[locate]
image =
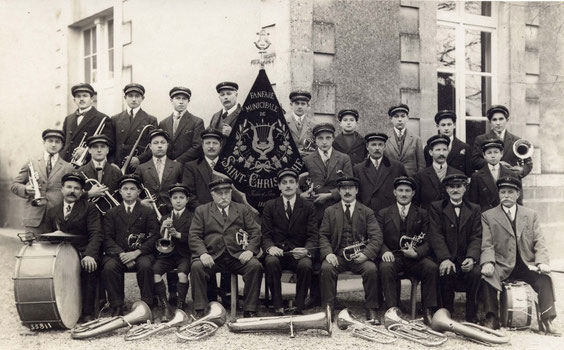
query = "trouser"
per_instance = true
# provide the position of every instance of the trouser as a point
(471, 282)
(89, 283)
(273, 266)
(423, 269)
(113, 271)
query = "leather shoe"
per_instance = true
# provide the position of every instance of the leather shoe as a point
(117, 311)
(372, 317)
(472, 319)
(491, 321)
(198, 314)
(549, 328)
(248, 314)
(279, 312)
(173, 299)
(87, 318)
(427, 316)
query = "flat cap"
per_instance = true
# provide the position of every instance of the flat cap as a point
(134, 87)
(179, 187)
(53, 133)
(497, 109)
(344, 112)
(159, 132)
(405, 180)
(445, 114)
(180, 90)
(509, 181)
(97, 139)
(454, 179)
(83, 87)
(327, 127)
(436, 139)
(134, 179)
(497, 143)
(399, 108)
(211, 132)
(226, 85)
(300, 95)
(220, 183)
(348, 181)
(375, 136)
(287, 172)
(73, 176)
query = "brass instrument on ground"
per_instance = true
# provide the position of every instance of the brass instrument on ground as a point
(482, 335)
(351, 252)
(367, 332)
(523, 149)
(407, 242)
(165, 244)
(38, 200)
(411, 330)
(149, 329)
(105, 203)
(319, 320)
(78, 160)
(206, 326)
(140, 312)
(134, 149)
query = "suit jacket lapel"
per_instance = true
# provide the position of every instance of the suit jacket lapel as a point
(137, 121)
(86, 119)
(449, 212)
(230, 119)
(293, 128)
(280, 208)
(339, 217)
(134, 215)
(205, 170)
(40, 167)
(305, 127)
(464, 215)
(181, 125)
(434, 179)
(394, 149)
(454, 149)
(216, 214)
(520, 222)
(407, 142)
(317, 159)
(331, 164)
(57, 167)
(153, 171)
(370, 173)
(396, 216)
(383, 172)
(297, 209)
(231, 216)
(74, 212)
(503, 220)
(488, 179)
(168, 166)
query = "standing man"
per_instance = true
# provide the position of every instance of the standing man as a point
(498, 116)
(290, 238)
(183, 127)
(349, 141)
(214, 247)
(227, 116)
(459, 153)
(300, 123)
(455, 233)
(399, 220)
(514, 248)
(346, 223)
(377, 174)
(49, 168)
(404, 146)
(129, 124)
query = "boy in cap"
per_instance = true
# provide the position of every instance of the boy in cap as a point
(349, 141)
(300, 123)
(227, 116)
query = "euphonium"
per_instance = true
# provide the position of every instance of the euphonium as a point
(523, 149)
(351, 252)
(361, 330)
(78, 160)
(205, 326)
(134, 149)
(107, 198)
(411, 330)
(140, 312)
(482, 335)
(165, 245)
(319, 320)
(38, 200)
(149, 329)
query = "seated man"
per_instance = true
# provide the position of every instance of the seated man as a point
(514, 248)
(213, 243)
(455, 234)
(402, 219)
(289, 237)
(345, 224)
(79, 217)
(131, 231)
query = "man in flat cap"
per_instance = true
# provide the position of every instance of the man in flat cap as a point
(406, 247)
(377, 174)
(455, 233)
(83, 122)
(76, 216)
(227, 116)
(498, 116)
(49, 168)
(514, 248)
(128, 126)
(300, 124)
(215, 247)
(403, 145)
(349, 140)
(183, 128)
(459, 153)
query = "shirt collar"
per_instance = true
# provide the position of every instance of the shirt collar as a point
(502, 136)
(53, 160)
(155, 160)
(101, 164)
(135, 110)
(437, 166)
(459, 203)
(178, 212)
(297, 117)
(82, 111)
(175, 113)
(292, 201)
(397, 131)
(376, 162)
(210, 160)
(65, 205)
(132, 206)
(231, 110)
(407, 206)
(226, 209)
(328, 152)
(513, 210)
(352, 204)
(493, 167)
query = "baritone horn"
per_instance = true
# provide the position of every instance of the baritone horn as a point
(38, 200)
(410, 330)
(140, 313)
(358, 329)
(482, 335)
(205, 326)
(523, 149)
(149, 329)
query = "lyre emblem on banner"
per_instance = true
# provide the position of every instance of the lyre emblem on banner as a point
(263, 141)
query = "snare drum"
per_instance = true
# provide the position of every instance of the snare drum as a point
(47, 286)
(518, 305)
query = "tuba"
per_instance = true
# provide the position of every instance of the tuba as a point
(410, 330)
(523, 149)
(140, 312)
(78, 160)
(205, 326)
(105, 203)
(351, 252)
(367, 332)
(319, 320)
(38, 200)
(482, 335)
(149, 329)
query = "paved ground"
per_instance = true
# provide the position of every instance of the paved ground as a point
(13, 335)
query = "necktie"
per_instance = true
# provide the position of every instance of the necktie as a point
(49, 165)
(224, 115)
(129, 209)
(499, 136)
(509, 215)
(131, 116)
(299, 123)
(212, 164)
(403, 213)
(348, 212)
(160, 169)
(288, 209)
(494, 173)
(176, 216)
(67, 212)
(325, 158)
(175, 123)
(223, 213)
(99, 171)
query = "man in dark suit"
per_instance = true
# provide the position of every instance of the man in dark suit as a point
(83, 122)
(498, 116)
(78, 217)
(344, 224)
(214, 246)
(289, 237)
(300, 123)
(129, 126)
(455, 233)
(405, 248)
(459, 153)
(377, 174)
(349, 141)
(131, 231)
(227, 116)
(429, 180)
(183, 127)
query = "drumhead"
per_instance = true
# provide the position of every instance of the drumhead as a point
(66, 281)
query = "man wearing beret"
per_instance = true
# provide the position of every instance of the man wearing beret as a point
(349, 141)
(128, 126)
(227, 116)
(289, 237)
(459, 153)
(183, 128)
(403, 145)
(77, 216)
(49, 168)
(83, 122)
(498, 116)
(429, 180)
(300, 123)
(377, 174)
(514, 248)
(215, 247)
(455, 233)
(345, 224)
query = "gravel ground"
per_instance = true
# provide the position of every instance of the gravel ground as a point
(14, 336)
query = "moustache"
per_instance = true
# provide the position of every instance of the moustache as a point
(348, 195)
(71, 195)
(442, 157)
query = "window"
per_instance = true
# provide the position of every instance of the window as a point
(111, 48)
(90, 56)
(98, 51)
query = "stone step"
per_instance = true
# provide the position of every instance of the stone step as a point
(545, 192)
(554, 239)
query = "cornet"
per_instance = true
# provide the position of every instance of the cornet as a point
(78, 160)
(38, 199)
(242, 239)
(105, 203)
(136, 240)
(407, 242)
(352, 251)
(165, 245)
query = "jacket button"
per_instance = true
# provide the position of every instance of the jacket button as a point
(122, 130)
(451, 225)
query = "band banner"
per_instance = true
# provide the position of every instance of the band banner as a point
(260, 144)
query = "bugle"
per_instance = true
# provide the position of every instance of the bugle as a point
(352, 251)
(149, 329)
(134, 149)
(78, 160)
(523, 149)
(410, 330)
(358, 329)
(104, 203)
(215, 317)
(38, 200)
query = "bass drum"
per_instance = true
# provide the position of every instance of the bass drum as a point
(518, 305)
(47, 286)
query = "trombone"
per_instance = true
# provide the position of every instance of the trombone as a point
(78, 160)
(38, 200)
(153, 203)
(367, 332)
(410, 330)
(134, 149)
(149, 329)
(107, 198)
(352, 251)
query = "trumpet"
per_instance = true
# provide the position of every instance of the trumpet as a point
(346, 321)
(136, 240)
(134, 149)
(78, 160)
(165, 245)
(105, 203)
(153, 203)
(205, 326)
(38, 200)
(407, 242)
(352, 251)
(410, 330)
(149, 329)
(242, 239)
(523, 149)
